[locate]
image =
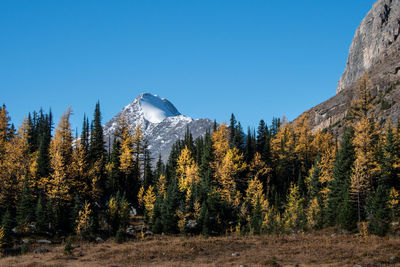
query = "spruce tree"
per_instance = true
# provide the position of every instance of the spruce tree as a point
(41, 216)
(7, 225)
(168, 211)
(339, 186)
(25, 211)
(232, 128)
(379, 212)
(96, 149)
(147, 171)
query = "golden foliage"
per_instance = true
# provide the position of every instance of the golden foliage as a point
(326, 175)
(141, 196)
(313, 214)
(162, 186)
(187, 172)
(149, 199)
(83, 221)
(58, 184)
(394, 198)
(255, 193)
(2, 237)
(303, 147)
(126, 157)
(363, 103)
(231, 164)
(294, 209)
(220, 142)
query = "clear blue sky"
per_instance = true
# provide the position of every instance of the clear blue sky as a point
(257, 59)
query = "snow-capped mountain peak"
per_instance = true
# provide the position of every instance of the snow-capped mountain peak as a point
(156, 109)
(162, 124)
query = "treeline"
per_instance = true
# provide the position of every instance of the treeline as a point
(52, 184)
(280, 178)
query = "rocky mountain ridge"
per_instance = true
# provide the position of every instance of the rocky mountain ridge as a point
(375, 50)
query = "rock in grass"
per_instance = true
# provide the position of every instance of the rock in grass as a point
(44, 241)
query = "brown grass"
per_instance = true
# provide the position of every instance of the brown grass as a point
(318, 249)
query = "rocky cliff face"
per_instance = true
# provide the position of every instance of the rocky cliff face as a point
(161, 122)
(376, 36)
(376, 50)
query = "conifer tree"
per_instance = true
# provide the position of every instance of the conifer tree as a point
(7, 225)
(187, 172)
(115, 181)
(365, 166)
(170, 205)
(58, 184)
(293, 218)
(40, 215)
(232, 128)
(96, 149)
(390, 161)
(340, 183)
(147, 169)
(380, 213)
(25, 211)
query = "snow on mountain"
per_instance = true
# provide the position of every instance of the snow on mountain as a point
(161, 122)
(156, 109)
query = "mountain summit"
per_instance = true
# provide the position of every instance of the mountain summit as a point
(161, 122)
(376, 36)
(154, 108)
(375, 50)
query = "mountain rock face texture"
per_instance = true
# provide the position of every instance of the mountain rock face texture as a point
(376, 51)
(160, 121)
(377, 35)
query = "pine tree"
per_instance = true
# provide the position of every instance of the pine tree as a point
(346, 214)
(25, 211)
(250, 148)
(170, 205)
(7, 224)
(40, 215)
(115, 181)
(380, 213)
(340, 183)
(232, 127)
(390, 161)
(96, 148)
(147, 170)
(97, 157)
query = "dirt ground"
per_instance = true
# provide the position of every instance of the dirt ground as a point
(317, 249)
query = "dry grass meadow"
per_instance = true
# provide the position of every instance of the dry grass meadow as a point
(317, 249)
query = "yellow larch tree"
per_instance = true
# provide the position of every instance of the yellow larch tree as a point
(58, 184)
(326, 175)
(227, 164)
(365, 166)
(187, 172)
(16, 165)
(149, 199)
(304, 138)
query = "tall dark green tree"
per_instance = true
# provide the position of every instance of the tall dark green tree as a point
(148, 178)
(232, 128)
(339, 186)
(379, 212)
(263, 142)
(96, 149)
(25, 210)
(250, 148)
